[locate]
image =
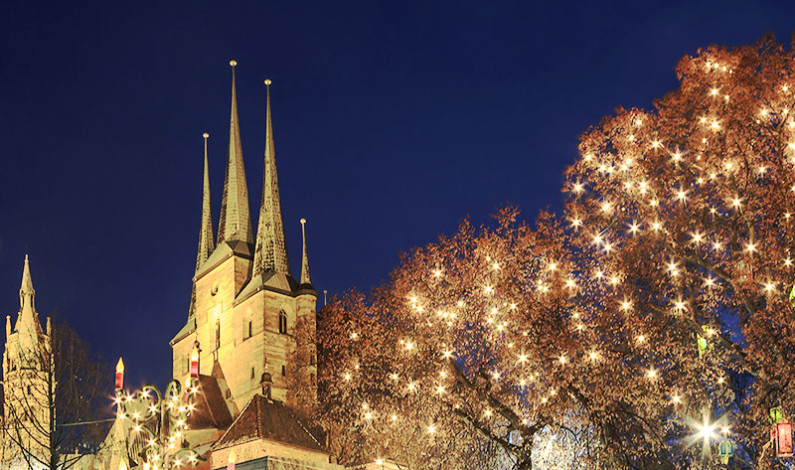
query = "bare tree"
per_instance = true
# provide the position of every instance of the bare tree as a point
(56, 393)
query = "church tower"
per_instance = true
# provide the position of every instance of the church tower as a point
(28, 381)
(251, 321)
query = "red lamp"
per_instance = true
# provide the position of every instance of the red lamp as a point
(119, 375)
(782, 439)
(194, 363)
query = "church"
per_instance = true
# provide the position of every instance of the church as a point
(247, 347)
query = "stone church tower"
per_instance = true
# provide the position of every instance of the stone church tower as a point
(251, 322)
(28, 381)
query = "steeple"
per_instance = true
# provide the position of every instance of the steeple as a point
(26, 292)
(235, 223)
(27, 323)
(206, 241)
(305, 278)
(271, 249)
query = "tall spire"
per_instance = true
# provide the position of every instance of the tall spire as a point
(26, 292)
(271, 250)
(305, 278)
(27, 323)
(206, 241)
(235, 223)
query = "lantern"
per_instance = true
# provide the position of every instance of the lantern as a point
(702, 343)
(119, 375)
(725, 450)
(194, 362)
(782, 439)
(776, 415)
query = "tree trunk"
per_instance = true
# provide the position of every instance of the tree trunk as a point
(524, 459)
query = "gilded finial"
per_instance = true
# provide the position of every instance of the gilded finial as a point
(268, 82)
(206, 135)
(303, 221)
(233, 63)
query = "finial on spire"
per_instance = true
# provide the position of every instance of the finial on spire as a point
(206, 135)
(305, 278)
(268, 82)
(233, 63)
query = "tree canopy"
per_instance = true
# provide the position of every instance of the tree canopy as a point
(659, 300)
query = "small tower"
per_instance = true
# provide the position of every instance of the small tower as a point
(29, 376)
(306, 348)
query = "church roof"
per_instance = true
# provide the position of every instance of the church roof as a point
(267, 419)
(211, 410)
(189, 328)
(272, 281)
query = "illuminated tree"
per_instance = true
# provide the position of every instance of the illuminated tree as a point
(657, 317)
(492, 339)
(690, 206)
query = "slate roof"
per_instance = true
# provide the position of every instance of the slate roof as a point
(267, 419)
(211, 410)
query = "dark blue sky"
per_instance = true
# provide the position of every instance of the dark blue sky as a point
(393, 120)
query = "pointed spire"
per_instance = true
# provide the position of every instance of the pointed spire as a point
(26, 292)
(235, 223)
(206, 241)
(27, 323)
(271, 249)
(305, 278)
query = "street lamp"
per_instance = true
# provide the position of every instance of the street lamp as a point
(160, 422)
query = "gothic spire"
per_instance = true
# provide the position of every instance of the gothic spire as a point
(271, 249)
(206, 241)
(26, 292)
(235, 223)
(305, 278)
(27, 323)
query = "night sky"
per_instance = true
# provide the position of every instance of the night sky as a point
(393, 120)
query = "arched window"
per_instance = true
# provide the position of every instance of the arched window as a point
(218, 334)
(282, 323)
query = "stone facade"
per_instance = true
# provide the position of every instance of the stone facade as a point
(245, 304)
(28, 384)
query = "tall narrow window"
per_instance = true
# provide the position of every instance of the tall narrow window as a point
(248, 329)
(218, 334)
(284, 371)
(282, 322)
